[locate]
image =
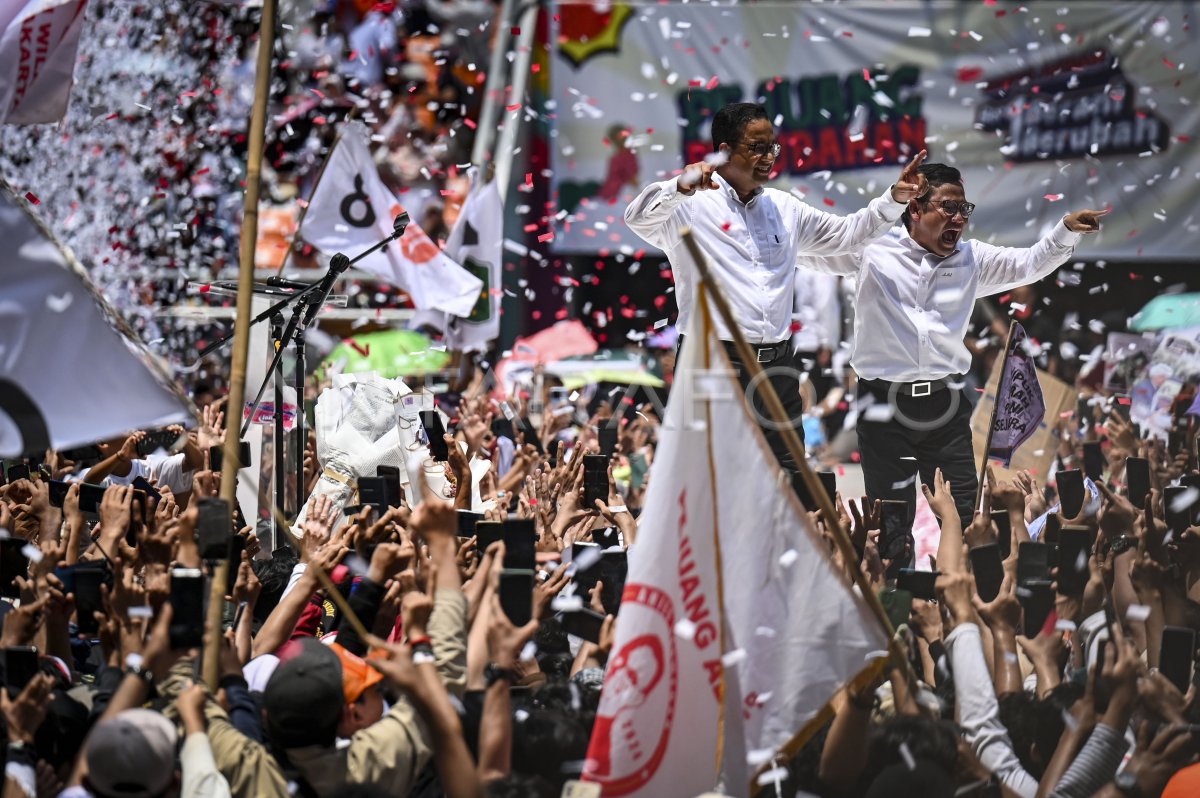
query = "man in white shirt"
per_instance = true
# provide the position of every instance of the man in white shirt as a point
(752, 237)
(817, 325)
(917, 286)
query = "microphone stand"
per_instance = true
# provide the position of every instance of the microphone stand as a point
(307, 304)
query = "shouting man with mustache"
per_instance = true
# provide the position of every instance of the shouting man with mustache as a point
(916, 289)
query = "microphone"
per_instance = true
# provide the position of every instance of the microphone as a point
(400, 224)
(337, 264)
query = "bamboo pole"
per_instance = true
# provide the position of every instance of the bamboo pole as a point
(987, 446)
(241, 327)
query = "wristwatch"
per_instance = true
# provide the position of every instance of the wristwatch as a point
(493, 674)
(139, 670)
(1123, 544)
(1126, 781)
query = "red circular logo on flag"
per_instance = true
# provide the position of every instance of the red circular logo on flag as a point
(637, 705)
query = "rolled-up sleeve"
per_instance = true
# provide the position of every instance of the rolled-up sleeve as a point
(658, 214)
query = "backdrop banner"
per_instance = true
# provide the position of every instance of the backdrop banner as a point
(1045, 108)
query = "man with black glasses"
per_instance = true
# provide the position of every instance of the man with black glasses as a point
(916, 288)
(753, 236)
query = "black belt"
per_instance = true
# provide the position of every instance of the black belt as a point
(764, 353)
(913, 389)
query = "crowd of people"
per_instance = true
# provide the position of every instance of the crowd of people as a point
(373, 653)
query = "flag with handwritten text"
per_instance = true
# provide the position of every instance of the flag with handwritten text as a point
(1020, 407)
(38, 42)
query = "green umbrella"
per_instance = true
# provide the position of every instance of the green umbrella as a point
(390, 353)
(1168, 311)
(614, 376)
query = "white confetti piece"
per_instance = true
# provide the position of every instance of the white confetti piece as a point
(529, 652)
(764, 631)
(1137, 613)
(772, 776)
(915, 32)
(732, 658)
(59, 303)
(788, 557)
(906, 755)
(685, 629)
(32, 553)
(141, 612)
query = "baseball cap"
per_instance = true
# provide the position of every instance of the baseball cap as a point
(132, 754)
(303, 698)
(357, 675)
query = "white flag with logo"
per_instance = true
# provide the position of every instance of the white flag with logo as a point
(38, 42)
(67, 378)
(351, 210)
(735, 628)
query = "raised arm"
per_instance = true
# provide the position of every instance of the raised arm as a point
(1004, 268)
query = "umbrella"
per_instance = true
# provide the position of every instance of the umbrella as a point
(614, 376)
(390, 353)
(1167, 312)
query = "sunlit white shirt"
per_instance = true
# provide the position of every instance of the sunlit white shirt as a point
(912, 307)
(752, 247)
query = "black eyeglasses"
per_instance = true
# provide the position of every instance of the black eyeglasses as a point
(762, 148)
(951, 207)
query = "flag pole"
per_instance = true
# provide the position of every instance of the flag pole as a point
(795, 446)
(987, 447)
(241, 327)
(320, 173)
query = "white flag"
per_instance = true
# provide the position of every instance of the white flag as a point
(351, 210)
(67, 378)
(709, 677)
(38, 41)
(477, 242)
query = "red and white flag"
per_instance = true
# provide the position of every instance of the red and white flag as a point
(735, 628)
(67, 378)
(38, 41)
(351, 210)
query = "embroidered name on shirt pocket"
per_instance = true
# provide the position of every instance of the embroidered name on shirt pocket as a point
(949, 284)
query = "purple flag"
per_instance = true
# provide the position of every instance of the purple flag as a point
(1020, 408)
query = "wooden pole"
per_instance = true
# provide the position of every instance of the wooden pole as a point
(241, 327)
(987, 446)
(796, 447)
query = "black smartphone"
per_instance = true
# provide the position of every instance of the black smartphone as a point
(1093, 460)
(373, 491)
(213, 528)
(584, 623)
(893, 537)
(829, 481)
(1074, 547)
(58, 492)
(187, 603)
(520, 543)
(153, 441)
(216, 456)
(487, 533)
(516, 595)
(614, 567)
(1179, 502)
(20, 666)
(607, 537)
(1051, 530)
(83, 455)
(919, 583)
(1037, 601)
(1070, 492)
(13, 563)
(87, 578)
(90, 497)
(1175, 655)
(1003, 531)
(17, 471)
(1033, 563)
(988, 568)
(608, 433)
(431, 421)
(143, 484)
(595, 480)
(1176, 440)
(1137, 478)
(392, 491)
(467, 521)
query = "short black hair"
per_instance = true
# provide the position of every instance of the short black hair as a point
(936, 174)
(730, 121)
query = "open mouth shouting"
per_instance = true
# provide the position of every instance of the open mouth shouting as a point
(950, 238)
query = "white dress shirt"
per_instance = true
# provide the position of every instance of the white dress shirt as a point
(912, 307)
(752, 247)
(817, 310)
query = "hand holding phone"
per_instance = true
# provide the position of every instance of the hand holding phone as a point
(1070, 492)
(435, 432)
(595, 480)
(1137, 478)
